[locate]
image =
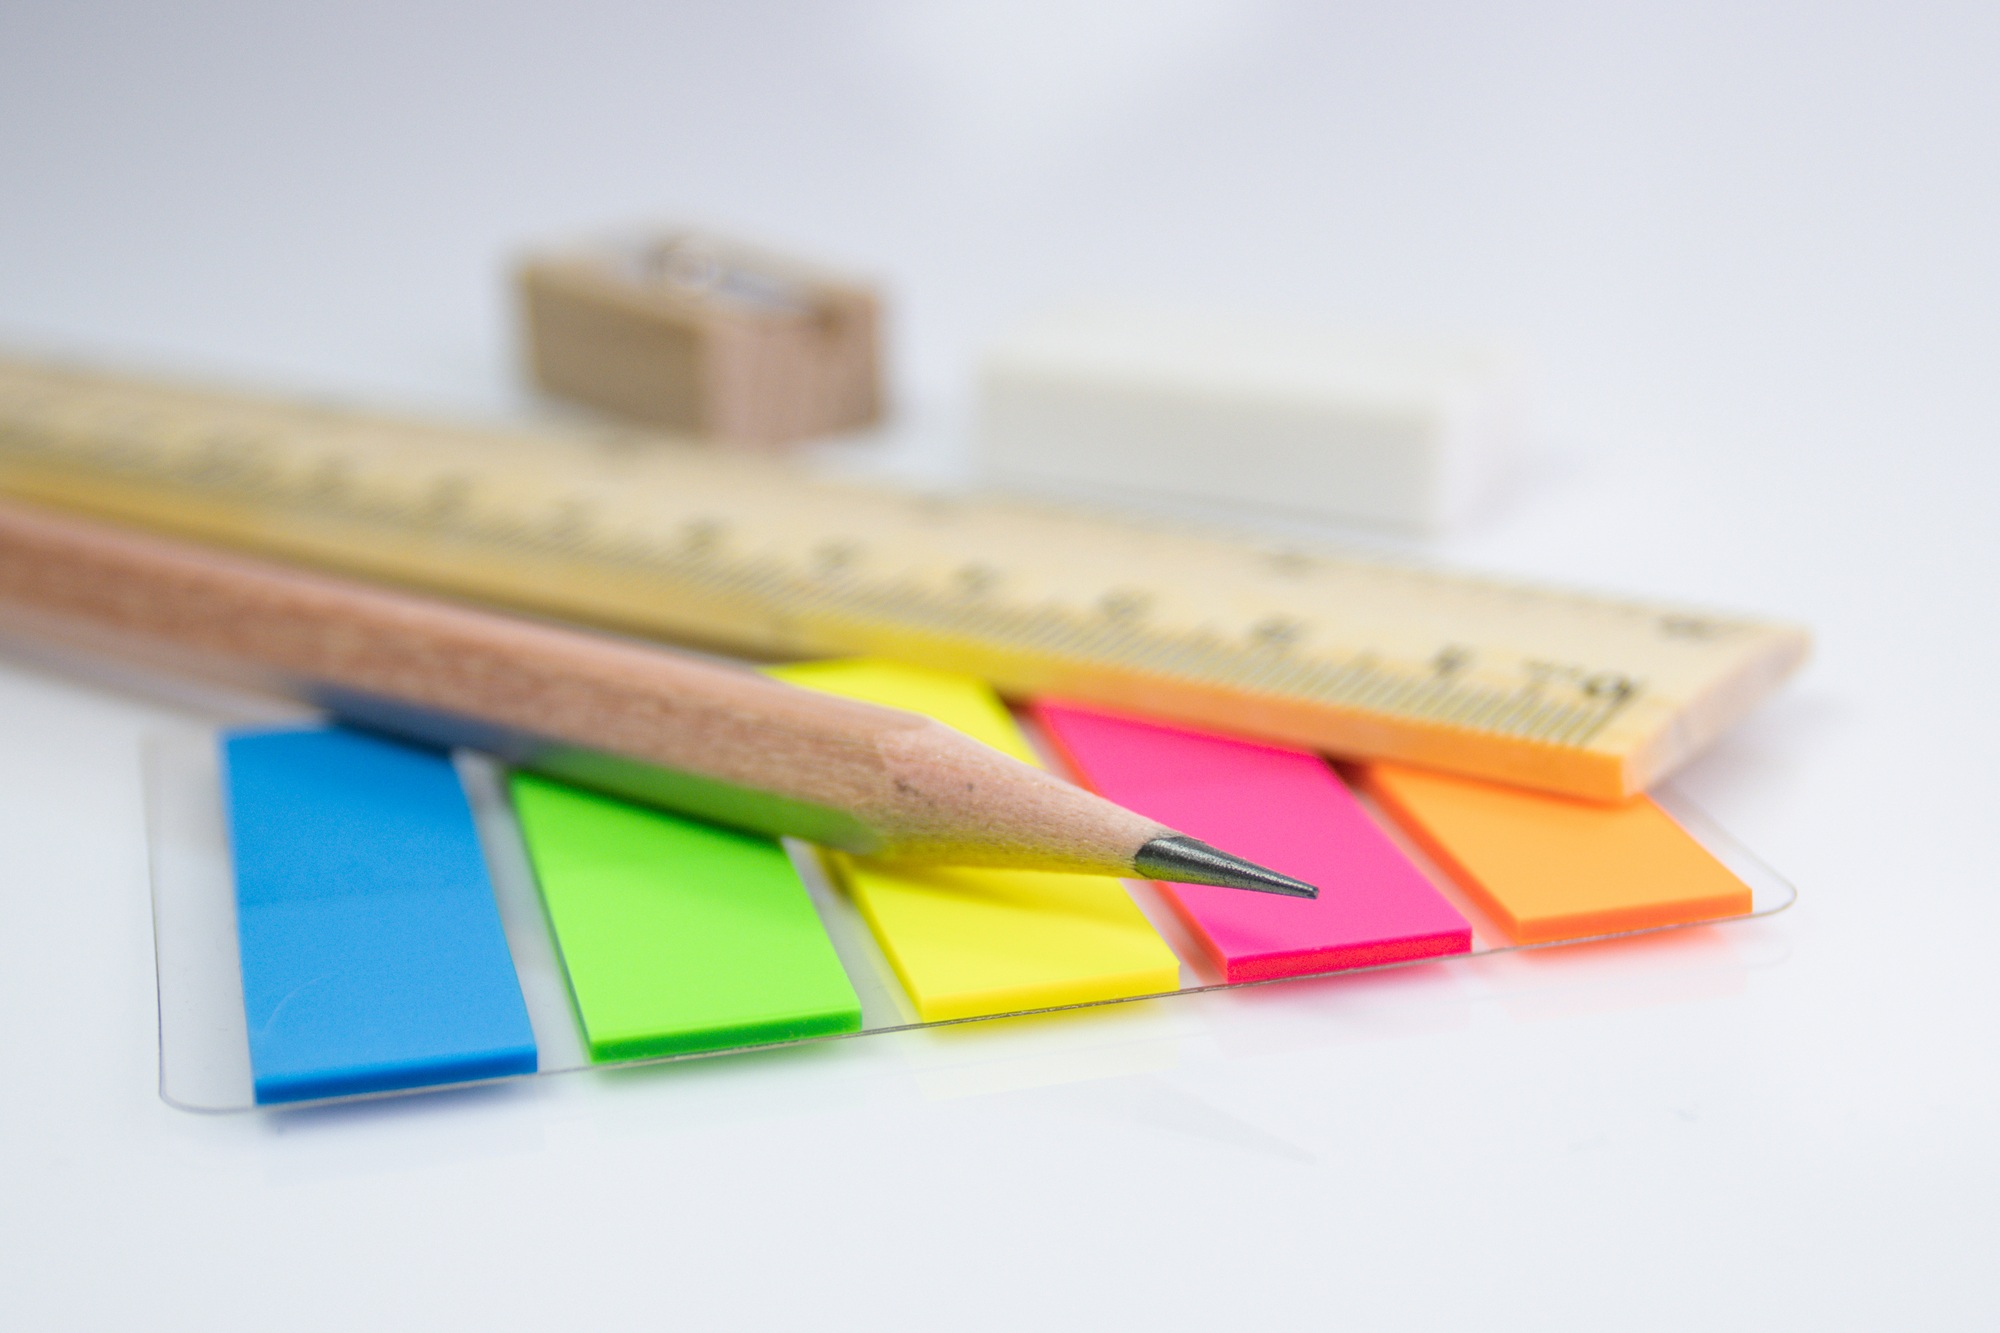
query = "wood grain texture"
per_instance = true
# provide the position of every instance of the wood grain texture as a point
(865, 778)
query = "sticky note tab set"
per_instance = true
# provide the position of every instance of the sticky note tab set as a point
(373, 957)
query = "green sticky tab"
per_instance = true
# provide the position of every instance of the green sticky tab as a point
(677, 936)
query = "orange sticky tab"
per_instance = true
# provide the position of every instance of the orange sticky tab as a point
(1549, 868)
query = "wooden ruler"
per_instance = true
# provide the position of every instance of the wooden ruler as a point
(1571, 692)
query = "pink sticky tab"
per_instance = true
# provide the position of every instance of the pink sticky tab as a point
(1285, 809)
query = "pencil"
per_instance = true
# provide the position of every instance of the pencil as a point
(721, 743)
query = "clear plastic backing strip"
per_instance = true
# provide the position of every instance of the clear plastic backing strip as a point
(204, 1049)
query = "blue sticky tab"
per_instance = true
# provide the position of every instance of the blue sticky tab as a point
(372, 951)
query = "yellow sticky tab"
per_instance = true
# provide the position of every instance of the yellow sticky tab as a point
(971, 942)
(963, 703)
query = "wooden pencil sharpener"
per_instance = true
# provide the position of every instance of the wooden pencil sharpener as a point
(705, 335)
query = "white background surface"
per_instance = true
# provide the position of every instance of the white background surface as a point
(1753, 246)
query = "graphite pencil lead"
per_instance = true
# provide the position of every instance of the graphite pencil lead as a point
(1184, 860)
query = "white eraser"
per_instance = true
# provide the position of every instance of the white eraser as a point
(1389, 432)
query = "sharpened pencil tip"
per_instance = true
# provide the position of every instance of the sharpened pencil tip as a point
(1185, 860)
